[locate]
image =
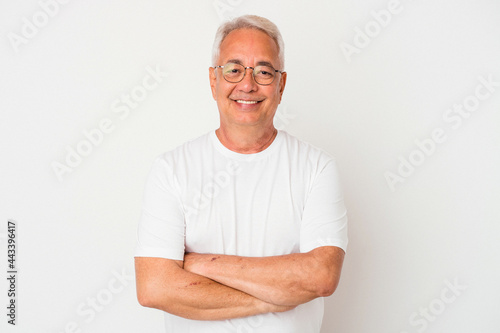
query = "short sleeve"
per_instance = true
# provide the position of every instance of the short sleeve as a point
(161, 230)
(324, 219)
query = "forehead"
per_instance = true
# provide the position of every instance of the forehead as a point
(249, 45)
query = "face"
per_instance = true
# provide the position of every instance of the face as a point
(247, 103)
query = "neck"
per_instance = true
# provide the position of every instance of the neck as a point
(248, 140)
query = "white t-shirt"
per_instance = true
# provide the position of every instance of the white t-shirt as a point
(202, 197)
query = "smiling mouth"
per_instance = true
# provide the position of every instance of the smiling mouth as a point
(246, 102)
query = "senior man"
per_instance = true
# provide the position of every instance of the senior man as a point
(243, 229)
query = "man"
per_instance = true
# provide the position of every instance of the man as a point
(244, 228)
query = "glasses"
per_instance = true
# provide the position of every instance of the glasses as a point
(262, 74)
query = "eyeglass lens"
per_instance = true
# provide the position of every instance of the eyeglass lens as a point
(235, 72)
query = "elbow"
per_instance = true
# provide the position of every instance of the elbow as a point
(149, 295)
(153, 286)
(304, 291)
(326, 283)
(326, 288)
(144, 302)
(145, 298)
(327, 270)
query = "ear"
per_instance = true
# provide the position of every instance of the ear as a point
(213, 81)
(282, 84)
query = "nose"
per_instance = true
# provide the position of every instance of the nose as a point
(248, 83)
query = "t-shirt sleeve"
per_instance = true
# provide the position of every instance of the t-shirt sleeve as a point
(324, 220)
(161, 228)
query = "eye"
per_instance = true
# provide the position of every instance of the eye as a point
(233, 70)
(264, 72)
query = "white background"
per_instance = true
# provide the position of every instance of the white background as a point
(439, 226)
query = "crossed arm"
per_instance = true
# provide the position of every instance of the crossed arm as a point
(218, 287)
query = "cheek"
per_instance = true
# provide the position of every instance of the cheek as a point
(274, 95)
(222, 90)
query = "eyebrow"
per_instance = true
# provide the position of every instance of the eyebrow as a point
(259, 63)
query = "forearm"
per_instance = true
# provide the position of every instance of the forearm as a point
(203, 299)
(285, 280)
(192, 296)
(277, 280)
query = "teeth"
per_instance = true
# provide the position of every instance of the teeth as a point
(246, 102)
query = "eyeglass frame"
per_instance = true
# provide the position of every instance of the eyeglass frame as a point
(253, 73)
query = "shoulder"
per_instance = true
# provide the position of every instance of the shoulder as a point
(185, 151)
(306, 151)
(181, 158)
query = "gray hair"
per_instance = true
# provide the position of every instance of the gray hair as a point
(249, 22)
